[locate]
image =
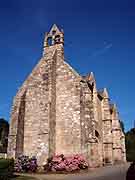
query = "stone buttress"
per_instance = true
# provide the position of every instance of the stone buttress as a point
(107, 129)
(118, 138)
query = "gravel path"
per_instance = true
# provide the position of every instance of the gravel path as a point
(117, 172)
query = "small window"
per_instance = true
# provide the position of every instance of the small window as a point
(96, 134)
(57, 39)
(49, 41)
(53, 32)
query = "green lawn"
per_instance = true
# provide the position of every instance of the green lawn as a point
(24, 178)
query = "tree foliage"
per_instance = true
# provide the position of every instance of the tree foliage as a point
(130, 145)
(122, 126)
(4, 130)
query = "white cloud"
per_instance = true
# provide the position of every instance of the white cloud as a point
(102, 50)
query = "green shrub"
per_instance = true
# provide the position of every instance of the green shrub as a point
(6, 168)
(130, 145)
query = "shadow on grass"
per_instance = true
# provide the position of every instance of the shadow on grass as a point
(17, 177)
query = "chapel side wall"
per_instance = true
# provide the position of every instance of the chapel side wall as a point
(67, 108)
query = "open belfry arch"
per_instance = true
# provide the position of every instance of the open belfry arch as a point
(58, 111)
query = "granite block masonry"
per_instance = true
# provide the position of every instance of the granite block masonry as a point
(58, 111)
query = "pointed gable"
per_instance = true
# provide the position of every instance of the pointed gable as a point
(54, 30)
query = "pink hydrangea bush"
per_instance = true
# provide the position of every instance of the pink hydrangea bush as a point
(66, 163)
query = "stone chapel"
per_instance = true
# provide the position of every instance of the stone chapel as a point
(58, 111)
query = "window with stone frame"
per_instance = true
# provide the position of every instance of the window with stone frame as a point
(57, 39)
(49, 41)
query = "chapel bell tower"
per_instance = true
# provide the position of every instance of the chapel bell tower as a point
(54, 38)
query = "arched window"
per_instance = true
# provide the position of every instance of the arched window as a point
(57, 39)
(49, 41)
(53, 32)
(97, 134)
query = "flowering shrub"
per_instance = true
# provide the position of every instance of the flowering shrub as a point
(26, 164)
(69, 164)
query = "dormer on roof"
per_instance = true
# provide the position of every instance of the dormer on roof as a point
(105, 93)
(90, 77)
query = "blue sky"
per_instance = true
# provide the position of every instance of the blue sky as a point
(99, 37)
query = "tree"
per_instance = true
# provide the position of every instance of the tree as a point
(122, 126)
(130, 145)
(4, 130)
